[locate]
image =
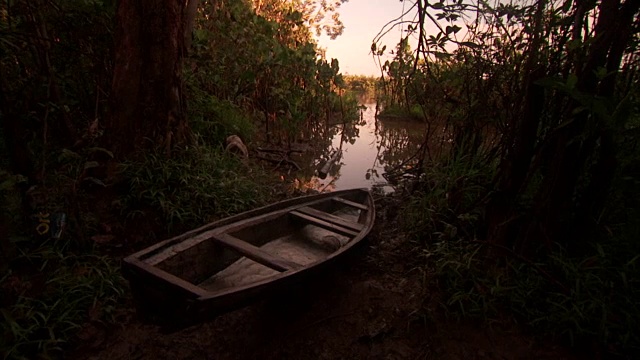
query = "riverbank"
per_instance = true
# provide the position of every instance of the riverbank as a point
(377, 304)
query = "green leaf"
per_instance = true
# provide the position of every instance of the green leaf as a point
(442, 55)
(574, 44)
(572, 80)
(95, 181)
(550, 82)
(100, 150)
(91, 165)
(67, 155)
(470, 44)
(452, 29)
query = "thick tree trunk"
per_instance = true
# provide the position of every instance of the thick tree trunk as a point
(147, 108)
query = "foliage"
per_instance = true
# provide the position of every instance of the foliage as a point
(55, 75)
(579, 300)
(55, 68)
(399, 73)
(365, 87)
(212, 119)
(394, 111)
(313, 12)
(53, 289)
(542, 98)
(192, 187)
(447, 201)
(275, 74)
(44, 311)
(588, 298)
(529, 83)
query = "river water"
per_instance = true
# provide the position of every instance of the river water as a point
(370, 148)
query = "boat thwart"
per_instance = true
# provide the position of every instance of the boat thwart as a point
(228, 263)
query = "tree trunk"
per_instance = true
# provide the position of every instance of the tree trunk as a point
(16, 137)
(189, 21)
(147, 108)
(563, 205)
(567, 210)
(515, 165)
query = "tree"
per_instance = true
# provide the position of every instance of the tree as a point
(54, 67)
(544, 76)
(314, 12)
(577, 159)
(147, 105)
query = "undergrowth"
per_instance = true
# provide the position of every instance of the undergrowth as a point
(192, 187)
(214, 119)
(414, 112)
(50, 294)
(53, 284)
(580, 300)
(588, 299)
(447, 199)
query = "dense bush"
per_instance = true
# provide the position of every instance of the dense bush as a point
(194, 186)
(541, 222)
(246, 69)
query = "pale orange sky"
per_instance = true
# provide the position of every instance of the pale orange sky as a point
(363, 19)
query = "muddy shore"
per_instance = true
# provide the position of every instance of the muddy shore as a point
(376, 304)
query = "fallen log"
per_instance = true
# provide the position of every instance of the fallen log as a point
(279, 151)
(280, 161)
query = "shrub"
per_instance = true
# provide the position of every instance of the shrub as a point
(45, 310)
(196, 184)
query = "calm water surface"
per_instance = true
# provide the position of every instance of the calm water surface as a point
(369, 149)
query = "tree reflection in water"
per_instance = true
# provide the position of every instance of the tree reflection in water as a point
(370, 149)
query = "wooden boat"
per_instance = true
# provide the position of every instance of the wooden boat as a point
(228, 263)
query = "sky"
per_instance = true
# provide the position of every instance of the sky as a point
(363, 20)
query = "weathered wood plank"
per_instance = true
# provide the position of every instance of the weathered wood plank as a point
(255, 253)
(325, 224)
(351, 203)
(331, 218)
(149, 274)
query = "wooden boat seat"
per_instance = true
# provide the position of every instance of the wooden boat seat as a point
(356, 226)
(351, 203)
(328, 221)
(256, 254)
(324, 224)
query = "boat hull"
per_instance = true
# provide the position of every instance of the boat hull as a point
(179, 281)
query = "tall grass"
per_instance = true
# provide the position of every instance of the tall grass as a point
(576, 299)
(49, 295)
(447, 199)
(588, 298)
(195, 185)
(214, 119)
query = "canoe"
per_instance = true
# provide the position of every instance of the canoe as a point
(229, 263)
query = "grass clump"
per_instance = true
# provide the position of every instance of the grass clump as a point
(587, 298)
(579, 299)
(50, 295)
(214, 119)
(402, 112)
(196, 184)
(447, 200)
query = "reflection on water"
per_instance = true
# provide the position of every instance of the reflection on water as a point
(369, 149)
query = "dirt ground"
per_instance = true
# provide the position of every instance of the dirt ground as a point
(373, 305)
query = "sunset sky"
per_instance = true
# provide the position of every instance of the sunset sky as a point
(363, 19)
